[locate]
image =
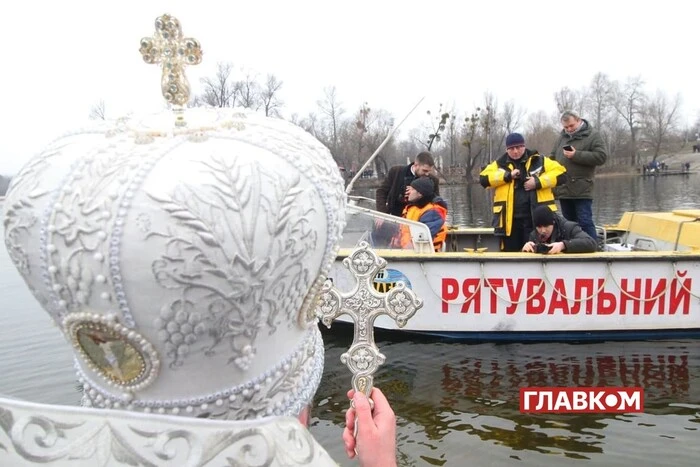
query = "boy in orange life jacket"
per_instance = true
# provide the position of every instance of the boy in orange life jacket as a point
(424, 206)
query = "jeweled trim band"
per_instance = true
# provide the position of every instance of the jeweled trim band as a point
(285, 389)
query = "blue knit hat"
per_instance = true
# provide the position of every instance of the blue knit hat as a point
(514, 139)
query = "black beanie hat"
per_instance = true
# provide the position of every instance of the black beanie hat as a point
(424, 186)
(542, 216)
(514, 139)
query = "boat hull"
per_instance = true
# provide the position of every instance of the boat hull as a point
(500, 296)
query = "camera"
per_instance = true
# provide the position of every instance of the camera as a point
(542, 248)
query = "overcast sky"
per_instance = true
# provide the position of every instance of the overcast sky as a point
(61, 57)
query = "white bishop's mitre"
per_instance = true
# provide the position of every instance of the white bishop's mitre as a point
(183, 263)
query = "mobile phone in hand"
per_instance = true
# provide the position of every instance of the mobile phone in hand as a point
(568, 147)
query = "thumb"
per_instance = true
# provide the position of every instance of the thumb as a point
(363, 410)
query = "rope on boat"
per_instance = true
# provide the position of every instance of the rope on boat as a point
(675, 273)
(476, 290)
(483, 278)
(640, 299)
(582, 299)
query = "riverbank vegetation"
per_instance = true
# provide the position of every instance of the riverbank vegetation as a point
(639, 126)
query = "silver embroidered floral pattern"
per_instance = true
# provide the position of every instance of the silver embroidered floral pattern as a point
(72, 437)
(20, 216)
(229, 291)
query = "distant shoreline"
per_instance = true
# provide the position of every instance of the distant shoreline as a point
(674, 163)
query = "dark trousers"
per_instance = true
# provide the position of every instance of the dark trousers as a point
(581, 212)
(519, 234)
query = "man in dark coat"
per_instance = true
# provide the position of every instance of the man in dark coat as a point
(579, 148)
(391, 195)
(553, 234)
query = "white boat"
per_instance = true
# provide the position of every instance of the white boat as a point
(646, 284)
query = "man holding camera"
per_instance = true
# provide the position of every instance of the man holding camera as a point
(580, 148)
(521, 180)
(553, 234)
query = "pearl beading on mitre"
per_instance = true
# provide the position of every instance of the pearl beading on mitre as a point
(295, 371)
(117, 229)
(58, 306)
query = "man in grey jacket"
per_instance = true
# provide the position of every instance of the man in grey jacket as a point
(580, 149)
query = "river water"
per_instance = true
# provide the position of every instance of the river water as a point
(457, 403)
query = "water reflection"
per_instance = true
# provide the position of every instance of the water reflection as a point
(446, 391)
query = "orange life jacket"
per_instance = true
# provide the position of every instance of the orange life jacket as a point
(414, 213)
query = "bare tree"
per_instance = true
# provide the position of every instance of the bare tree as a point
(269, 96)
(617, 139)
(541, 133)
(628, 102)
(98, 111)
(437, 127)
(220, 90)
(364, 135)
(452, 137)
(660, 119)
(568, 99)
(471, 142)
(249, 92)
(511, 116)
(599, 97)
(379, 124)
(313, 125)
(408, 148)
(332, 108)
(488, 121)
(361, 123)
(296, 119)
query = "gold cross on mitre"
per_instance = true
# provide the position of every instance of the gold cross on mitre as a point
(363, 304)
(174, 52)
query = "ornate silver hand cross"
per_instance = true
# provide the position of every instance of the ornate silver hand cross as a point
(168, 47)
(363, 304)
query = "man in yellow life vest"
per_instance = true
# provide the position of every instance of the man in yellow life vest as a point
(521, 180)
(426, 207)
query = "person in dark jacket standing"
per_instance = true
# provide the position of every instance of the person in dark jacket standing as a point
(391, 195)
(553, 234)
(580, 149)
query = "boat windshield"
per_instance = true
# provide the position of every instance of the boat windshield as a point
(382, 230)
